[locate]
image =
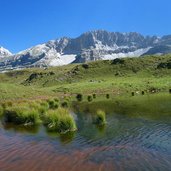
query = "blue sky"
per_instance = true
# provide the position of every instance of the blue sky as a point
(25, 23)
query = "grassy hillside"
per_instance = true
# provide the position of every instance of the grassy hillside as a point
(119, 76)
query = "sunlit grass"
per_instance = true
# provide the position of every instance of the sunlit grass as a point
(101, 77)
(22, 115)
(59, 120)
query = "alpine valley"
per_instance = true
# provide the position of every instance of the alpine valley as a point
(90, 46)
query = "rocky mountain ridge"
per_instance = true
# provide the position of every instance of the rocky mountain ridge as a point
(90, 46)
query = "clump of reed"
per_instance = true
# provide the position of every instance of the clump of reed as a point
(65, 104)
(34, 112)
(22, 114)
(44, 106)
(107, 96)
(99, 118)
(53, 104)
(60, 121)
(40, 106)
(79, 97)
(56, 99)
(90, 98)
(94, 96)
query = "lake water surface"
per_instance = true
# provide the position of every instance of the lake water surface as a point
(130, 141)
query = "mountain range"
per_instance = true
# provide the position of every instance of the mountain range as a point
(90, 46)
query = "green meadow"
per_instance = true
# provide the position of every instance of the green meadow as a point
(45, 95)
(120, 76)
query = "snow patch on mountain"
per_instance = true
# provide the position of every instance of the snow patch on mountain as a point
(35, 51)
(100, 46)
(63, 60)
(136, 53)
(55, 60)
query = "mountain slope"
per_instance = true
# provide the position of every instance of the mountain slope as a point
(4, 52)
(90, 46)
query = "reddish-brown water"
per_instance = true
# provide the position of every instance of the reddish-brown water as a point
(124, 144)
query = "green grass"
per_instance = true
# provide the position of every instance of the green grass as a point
(1, 111)
(22, 115)
(99, 77)
(65, 104)
(94, 96)
(100, 117)
(90, 98)
(40, 106)
(79, 97)
(35, 112)
(107, 96)
(53, 104)
(30, 94)
(60, 121)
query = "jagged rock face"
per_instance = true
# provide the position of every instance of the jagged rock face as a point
(108, 40)
(166, 40)
(90, 46)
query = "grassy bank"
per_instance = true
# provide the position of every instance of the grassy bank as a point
(119, 76)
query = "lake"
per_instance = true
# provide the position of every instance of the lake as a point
(137, 136)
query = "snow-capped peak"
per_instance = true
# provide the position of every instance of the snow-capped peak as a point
(89, 46)
(4, 52)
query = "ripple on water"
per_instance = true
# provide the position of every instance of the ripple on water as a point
(123, 144)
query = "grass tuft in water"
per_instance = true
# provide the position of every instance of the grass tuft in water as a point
(22, 115)
(79, 97)
(59, 121)
(90, 98)
(94, 96)
(100, 118)
(107, 96)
